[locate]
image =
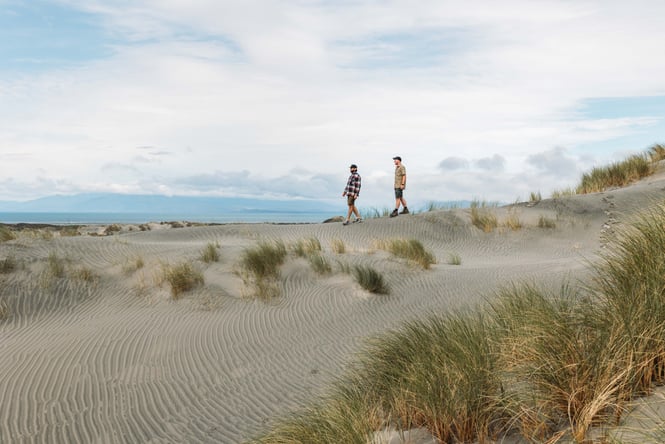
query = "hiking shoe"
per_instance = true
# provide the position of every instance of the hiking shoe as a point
(358, 220)
(405, 210)
(394, 213)
(346, 222)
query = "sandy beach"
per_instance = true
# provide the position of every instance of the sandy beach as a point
(104, 353)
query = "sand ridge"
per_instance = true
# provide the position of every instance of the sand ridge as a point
(116, 359)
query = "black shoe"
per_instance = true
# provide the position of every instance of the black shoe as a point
(394, 213)
(405, 210)
(346, 222)
(358, 220)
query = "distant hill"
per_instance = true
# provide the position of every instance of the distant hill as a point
(133, 203)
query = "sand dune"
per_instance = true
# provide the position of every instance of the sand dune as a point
(103, 353)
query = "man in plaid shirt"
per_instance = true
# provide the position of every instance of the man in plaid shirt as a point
(351, 192)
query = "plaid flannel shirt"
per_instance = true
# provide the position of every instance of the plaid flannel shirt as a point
(353, 185)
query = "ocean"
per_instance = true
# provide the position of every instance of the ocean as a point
(139, 218)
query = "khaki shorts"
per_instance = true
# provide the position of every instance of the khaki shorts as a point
(350, 200)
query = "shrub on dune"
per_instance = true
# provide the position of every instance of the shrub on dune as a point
(182, 278)
(210, 253)
(411, 249)
(6, 234)
(370, 279)
(483, 216)
(260, 268)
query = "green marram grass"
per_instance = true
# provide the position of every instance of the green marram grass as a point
(530, 362)
(483, 215)
(260, 268)
(306, 247)
(370, 279)
(410, 249)
(6, 234)
(210, 253)
(182, 277)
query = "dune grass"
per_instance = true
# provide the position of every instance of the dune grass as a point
(530, 362)
(483, 215)
(370, 279)
(133, 264)
(305, 247)
(410, 249)
(6, 234)
(622, 173)
(319, 263)
(260, 268)
(546, 222)
(454, 259)
(210, 253)
(8, 264)
(182, 277)
(338, 246)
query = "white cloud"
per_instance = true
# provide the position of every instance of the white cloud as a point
(264, 88)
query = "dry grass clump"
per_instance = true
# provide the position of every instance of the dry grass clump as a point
(4, 310)
(6, 234)
(411, 249)
(260, 268)
(454, 259)
(84, 274)
(535, 197)
(111, 229)
(546, 222)
(210, 253)
(55, 265)
(483, 216)
(8, 264)
(133, 264)
(305, 247)
(513, 220)
(370, 279)
(530, 362)
(338, 246)
(182, 277)
(617, 174)
(319, 263)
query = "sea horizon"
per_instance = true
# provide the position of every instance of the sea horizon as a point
(100, 218)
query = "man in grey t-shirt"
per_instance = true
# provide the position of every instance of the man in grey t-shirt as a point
(400, 185)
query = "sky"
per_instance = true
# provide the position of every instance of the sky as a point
(482, 99)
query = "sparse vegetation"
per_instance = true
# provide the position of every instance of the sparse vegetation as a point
(84, 274)
(133, 264)
(513, 220)
(210, 253)
(305, 247)
(530, 362)
(6, 234)
(4, 310)
(454, 259)
(483, 216)
(338, 246)
(535, 197)
(260, 268)
(55, 266)
(546, 222)
(7, 265)
(370, 279)
(182, 277)
(319, 263)
(411, 249)
(566, 192)
(111, 229)
(373, 213)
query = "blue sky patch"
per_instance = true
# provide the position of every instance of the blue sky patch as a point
(37, 35)
(620, 107)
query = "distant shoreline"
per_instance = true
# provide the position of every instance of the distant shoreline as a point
(97, 218)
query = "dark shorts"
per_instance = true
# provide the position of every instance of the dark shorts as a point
(350, 200)
(399, 193)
